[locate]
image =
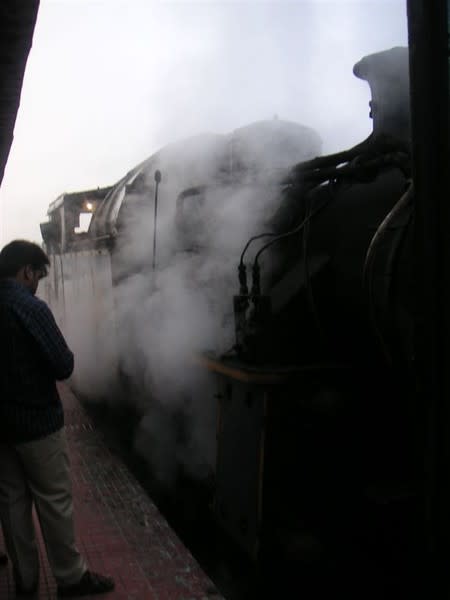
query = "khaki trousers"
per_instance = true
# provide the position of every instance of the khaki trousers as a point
(38, 472)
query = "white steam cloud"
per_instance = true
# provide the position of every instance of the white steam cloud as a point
(149, 326)
(180, 68)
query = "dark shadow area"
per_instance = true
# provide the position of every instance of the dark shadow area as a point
(339, 522)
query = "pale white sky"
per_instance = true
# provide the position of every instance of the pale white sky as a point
(108, 82)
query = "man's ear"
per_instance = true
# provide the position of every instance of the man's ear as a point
(28, 272)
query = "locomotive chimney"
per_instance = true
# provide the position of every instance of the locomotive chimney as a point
(387, 74)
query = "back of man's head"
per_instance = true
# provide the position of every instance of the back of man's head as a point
(21, 253)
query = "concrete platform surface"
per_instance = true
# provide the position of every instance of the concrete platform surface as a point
(119, 529)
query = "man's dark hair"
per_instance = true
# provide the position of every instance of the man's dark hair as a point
(18, 254)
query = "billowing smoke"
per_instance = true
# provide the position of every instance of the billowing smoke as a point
(144, 334)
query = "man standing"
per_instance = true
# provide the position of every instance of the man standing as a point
(34, 464)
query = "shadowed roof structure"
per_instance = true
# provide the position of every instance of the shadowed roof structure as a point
(17, 22)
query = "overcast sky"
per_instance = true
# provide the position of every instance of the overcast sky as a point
(109, 82)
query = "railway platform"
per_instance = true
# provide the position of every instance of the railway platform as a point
(119, 529)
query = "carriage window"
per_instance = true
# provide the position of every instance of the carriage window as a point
(84, 222)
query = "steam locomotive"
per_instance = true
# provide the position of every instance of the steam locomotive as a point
(318, 385)
(306, 368)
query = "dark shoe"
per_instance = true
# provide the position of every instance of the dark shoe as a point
(23, 592)
(3, 559)
(91, 583)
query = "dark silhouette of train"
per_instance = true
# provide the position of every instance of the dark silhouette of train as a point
(266, 322)
(338, 245)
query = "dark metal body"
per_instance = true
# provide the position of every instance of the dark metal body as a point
(321, 294)
(397, 320)
(314, 477)
(339, 282)
(429, 51)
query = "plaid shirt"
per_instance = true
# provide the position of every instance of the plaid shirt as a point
(33, 355)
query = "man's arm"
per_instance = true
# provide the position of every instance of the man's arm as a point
(42, 326)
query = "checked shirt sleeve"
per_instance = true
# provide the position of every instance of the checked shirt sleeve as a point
(43, 328)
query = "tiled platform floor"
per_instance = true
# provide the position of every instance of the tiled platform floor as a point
(119, 530)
